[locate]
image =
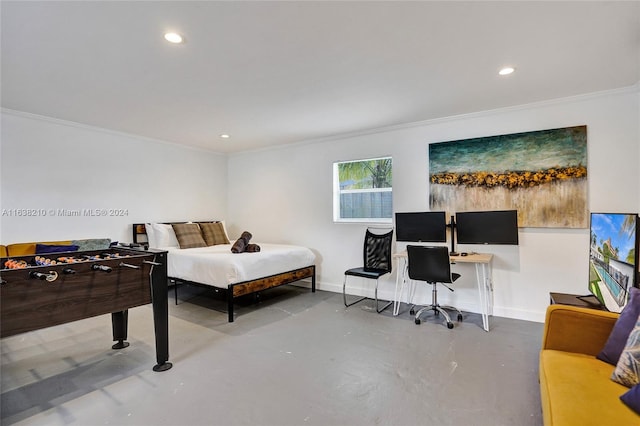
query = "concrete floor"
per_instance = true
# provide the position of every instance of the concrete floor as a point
(297, 358)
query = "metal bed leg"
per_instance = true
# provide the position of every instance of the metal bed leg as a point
(230, 303)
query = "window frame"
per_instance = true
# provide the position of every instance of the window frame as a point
(337, 192)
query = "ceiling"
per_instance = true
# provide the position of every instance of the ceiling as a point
(270, 73)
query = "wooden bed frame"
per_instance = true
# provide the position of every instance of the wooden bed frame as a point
(242, 288)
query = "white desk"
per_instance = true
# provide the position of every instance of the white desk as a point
(482, 262)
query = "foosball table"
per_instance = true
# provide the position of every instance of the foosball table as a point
(51, 289)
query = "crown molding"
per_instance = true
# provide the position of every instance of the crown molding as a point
(77, 125)
(478, 114)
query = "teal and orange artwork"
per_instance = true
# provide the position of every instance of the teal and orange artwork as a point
(542, 174)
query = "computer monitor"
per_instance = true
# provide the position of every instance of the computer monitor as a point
(487, 227)
(421, 227)
(613, 257)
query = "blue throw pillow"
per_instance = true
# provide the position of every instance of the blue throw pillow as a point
(621, 330)
(51, 248)
(632, 398)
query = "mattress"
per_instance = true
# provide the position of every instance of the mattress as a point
(217, 266)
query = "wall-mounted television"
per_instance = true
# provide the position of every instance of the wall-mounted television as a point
(613, 257)
(421, 227)
(487, 227)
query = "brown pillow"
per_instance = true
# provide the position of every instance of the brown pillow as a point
(213, 233)
(188, 235)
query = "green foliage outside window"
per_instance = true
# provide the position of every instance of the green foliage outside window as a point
(365, 174)
(363, 190)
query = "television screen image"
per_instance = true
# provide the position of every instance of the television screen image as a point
(487, 227)
(613, 258)
(421, 227)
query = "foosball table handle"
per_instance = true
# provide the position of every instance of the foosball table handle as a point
(126, 265)
(102, 268)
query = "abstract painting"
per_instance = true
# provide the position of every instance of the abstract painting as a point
(542, 174)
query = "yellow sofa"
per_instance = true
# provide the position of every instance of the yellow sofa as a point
(575, 387)
(26, 249)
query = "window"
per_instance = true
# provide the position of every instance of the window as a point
(362, 191)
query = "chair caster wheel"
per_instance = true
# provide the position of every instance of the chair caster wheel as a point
(412, 312)
(418, 321)
(459, 317)
(449, 325)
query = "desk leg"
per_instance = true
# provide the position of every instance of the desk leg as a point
(485, 292)
(489, 283)
(400, 283)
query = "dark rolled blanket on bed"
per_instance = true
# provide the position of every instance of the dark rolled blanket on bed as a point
(252, 248)
(242, 244)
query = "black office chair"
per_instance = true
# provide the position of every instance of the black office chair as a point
(433, 265)
(377, 262)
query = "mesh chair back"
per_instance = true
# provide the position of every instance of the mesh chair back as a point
(377, 251)
(430, 264)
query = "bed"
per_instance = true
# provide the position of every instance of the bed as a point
(235, 274)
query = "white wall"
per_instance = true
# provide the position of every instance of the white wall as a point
(50, 165)
(285, 195)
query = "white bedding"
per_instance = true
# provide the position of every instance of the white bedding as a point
(218, 267)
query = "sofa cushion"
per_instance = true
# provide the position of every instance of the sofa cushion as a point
(632, 398)
(92, 244)
(55, 248)
(28, 249)
(623, 326)
(576, 389)
(627, 371)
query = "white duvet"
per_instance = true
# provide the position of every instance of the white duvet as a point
(218, 267)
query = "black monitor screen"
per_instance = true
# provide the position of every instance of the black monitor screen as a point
(489, 227)
(421, 227)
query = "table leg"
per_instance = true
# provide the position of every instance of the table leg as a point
(489, 284)
(160, 301)
(400, 284)
(485, 292)
(119, 325)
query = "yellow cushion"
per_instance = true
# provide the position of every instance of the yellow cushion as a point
(576, 389)
(3, 251)
(27, 249)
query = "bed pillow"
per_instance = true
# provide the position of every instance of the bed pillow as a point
(52, 248)
(213, 233)
(627, 371)
(161, 235)
(151, 235)
(189, 235)
(621, 329)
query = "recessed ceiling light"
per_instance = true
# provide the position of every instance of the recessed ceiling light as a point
(173, 38)
(224, 136)
(506, 71)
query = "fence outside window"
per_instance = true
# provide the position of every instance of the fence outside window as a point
(363, 191)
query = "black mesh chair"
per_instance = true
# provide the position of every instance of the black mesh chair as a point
(377, 262)
(433, 265)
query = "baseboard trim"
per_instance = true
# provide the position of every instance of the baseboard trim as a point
(386, 294)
